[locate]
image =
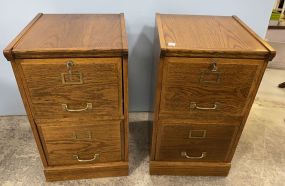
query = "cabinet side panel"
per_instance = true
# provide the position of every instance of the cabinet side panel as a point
(126, 110)
(249, 105)
(157, 80)
(19, 78)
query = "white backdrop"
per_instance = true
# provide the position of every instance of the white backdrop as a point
(140, 17)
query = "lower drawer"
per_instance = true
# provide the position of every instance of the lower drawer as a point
(193, 142)
(76, 143)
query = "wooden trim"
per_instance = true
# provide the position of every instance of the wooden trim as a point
(231, 146)
(20, 82)
(159, 131)
(189, 168)
(41, 136)
(46, 121)
(66, 53)
(217, 54)
(8, 50)
(160, 32)
(126, 103)
(121, 88)
(272, 51)
(118, 53)
(124, 35)
(57, 173)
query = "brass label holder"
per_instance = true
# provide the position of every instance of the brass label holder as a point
(71, 77)
(213, 71)
(202, 133)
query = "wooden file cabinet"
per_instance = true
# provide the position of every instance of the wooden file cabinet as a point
(208, 70)
(72, 74)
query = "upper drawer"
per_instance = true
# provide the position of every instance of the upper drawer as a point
(60, 88)
(213, 87)
(77, 142)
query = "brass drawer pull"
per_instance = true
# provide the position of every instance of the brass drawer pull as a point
(193, 105)
(88, 107)
(201, 132)
(96, 156)
(185, 155)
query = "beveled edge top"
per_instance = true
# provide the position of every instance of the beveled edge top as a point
(268, 54)
(11, 55)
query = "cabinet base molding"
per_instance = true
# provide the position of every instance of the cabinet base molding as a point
(189, 168)
(58, 173)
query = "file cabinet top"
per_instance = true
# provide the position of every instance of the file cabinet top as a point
(72, 35)
(211, 36)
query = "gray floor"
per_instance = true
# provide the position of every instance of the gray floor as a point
(259, 159)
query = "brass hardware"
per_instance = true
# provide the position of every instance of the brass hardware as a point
(71, 78)
(203, 132)
(69, 65)
(193, 105)
(185, 155)
(88, 107)
(204, 74)
(96, 156)
(214, 67)
(213, 71)
(89, 136)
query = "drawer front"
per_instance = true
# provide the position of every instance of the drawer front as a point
(70, 143)
(61, 88)
(197, 87)
(188, 142)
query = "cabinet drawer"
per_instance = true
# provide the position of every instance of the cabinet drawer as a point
(193, 142)
(202, 87)
(61, 88)
(70, 143)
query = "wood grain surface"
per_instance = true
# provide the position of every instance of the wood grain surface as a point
(80, 31)
(222, 36)
(189, 168)
(83, 139)
(85, 171)
(175, 139)
(102, 86)
(244, 120)
(271, 50)
(71, 35)
(187, 80)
